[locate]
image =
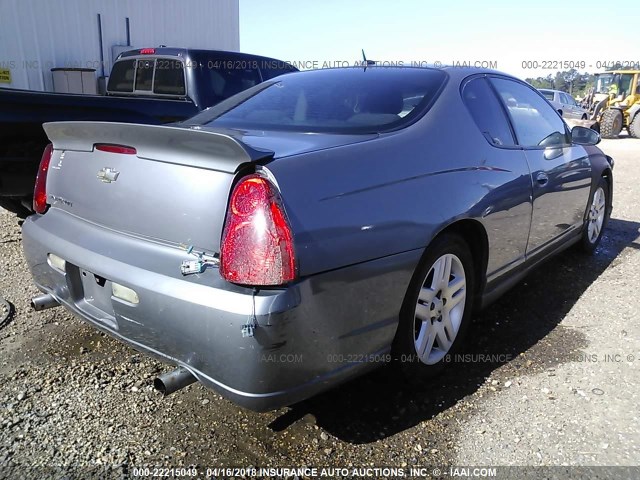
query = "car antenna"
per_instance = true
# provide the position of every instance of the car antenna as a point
(366, 62)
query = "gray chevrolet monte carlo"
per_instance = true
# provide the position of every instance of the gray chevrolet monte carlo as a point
(314, 226)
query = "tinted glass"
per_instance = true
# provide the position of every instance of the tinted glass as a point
(274, 68)
(547, 94)
(563, 99)
(235, 80)
(144, 75)
(487, 112)
(332, 100)
(536, 123)
(571, 100)
(169, 78)
(121, 78)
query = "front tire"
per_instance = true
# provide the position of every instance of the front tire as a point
(597, 217)
(437, 308)
(611, 123)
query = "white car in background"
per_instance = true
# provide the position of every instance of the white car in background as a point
(564, 103)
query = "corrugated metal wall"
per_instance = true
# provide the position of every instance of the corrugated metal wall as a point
(37, 35)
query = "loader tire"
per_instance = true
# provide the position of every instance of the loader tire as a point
(611, 123)
(634, 126)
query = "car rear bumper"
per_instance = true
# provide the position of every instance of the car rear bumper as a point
(309, 336)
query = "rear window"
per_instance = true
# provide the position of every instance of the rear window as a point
(274, 68)
(349, 100)
(160, 76)
(121, 78)
(169, 77)
(144, 74)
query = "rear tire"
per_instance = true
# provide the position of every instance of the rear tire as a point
(634, 126)
(611, 123)
(436, 312)
(597, 217)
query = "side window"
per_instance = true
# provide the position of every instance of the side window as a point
(238, 79)
(625, 85)
(563, 99)
(121, 78)
(487, 112)
(571, 100)
(535, 122)
(144, 75)
(548, 94)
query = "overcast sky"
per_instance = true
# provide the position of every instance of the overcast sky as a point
(504, 32)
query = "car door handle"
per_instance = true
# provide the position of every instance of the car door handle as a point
(542, 179)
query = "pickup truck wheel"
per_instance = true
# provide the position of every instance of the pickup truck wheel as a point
(634, 126)
(597, 217)
(611, 123)
(437, 309)
(15, 206)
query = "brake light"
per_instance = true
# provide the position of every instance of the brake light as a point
(147, 51)
(40, 190)
(257, 242)
(105, 147)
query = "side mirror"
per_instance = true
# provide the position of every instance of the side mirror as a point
(584, 136)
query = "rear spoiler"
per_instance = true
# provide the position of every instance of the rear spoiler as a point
(192, 146)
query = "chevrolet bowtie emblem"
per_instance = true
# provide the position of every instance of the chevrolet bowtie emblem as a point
(108, 175)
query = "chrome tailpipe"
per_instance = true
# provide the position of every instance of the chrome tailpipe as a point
(42, 302)
(169, 382)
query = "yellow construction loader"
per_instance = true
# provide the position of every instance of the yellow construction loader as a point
(614, 103)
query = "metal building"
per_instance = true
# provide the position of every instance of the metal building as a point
(37, 36)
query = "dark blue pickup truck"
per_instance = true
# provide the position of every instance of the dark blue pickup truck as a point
(149, 86)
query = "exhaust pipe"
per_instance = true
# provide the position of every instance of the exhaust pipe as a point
(169, 382)
(42, 302)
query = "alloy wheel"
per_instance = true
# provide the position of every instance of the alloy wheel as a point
(596, 215)
(440, 308)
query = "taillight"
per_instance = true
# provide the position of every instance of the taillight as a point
(147, 51)
(257, 242)
(40, 190)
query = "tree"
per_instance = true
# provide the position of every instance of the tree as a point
(571, 81)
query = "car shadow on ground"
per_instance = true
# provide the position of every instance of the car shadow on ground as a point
(520, 331)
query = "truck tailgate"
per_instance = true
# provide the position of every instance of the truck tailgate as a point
(173, 189)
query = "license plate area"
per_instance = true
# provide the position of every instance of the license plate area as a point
(92, 294)
(97, 291)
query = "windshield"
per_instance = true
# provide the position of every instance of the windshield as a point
(350, 100)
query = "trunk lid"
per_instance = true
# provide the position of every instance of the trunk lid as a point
(174, 190)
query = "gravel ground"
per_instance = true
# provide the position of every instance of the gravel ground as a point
(537, 388)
